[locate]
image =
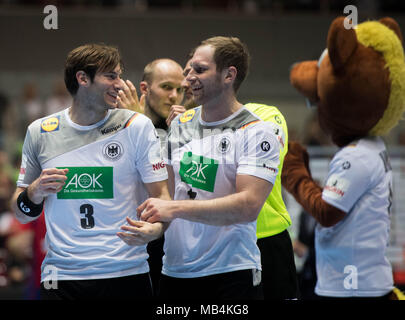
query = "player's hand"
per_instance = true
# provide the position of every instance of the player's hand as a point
(154, 209)
(50, 181)
(174, 111)
(128, 98)
(140, 232)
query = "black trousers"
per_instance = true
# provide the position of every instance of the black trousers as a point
(131, 287)
(237, 285)
(155, 251)
(279, 275)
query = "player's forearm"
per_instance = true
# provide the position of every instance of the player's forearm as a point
(235, 208)
(21, 217)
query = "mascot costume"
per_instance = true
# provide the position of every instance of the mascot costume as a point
(358, 86)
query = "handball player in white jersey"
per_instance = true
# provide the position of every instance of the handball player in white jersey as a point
(222, 163)
(88, 168)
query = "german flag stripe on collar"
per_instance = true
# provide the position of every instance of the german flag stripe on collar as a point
(130, 120)
(248, 124)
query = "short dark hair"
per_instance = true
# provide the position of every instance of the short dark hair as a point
(229, 51)
(89, 58)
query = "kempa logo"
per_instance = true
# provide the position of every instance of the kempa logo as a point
(111, 129)
(88, 183)
(265, 146)
(24, 208)
(198, 171)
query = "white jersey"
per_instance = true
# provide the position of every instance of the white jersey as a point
(206, 158)
(350, 256)
(108, 163)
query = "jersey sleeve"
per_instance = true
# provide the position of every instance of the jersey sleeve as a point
(348, 179)
(30, 168)
(149, 161)
(258, 152)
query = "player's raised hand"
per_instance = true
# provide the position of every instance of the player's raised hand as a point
(174, 111)
(128, 98)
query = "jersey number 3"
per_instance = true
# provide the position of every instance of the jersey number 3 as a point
(88, 221)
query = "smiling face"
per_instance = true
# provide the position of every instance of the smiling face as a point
(103, 90)
(188, 93)
(203, 78)
(164, 89)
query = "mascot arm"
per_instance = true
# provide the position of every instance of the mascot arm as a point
(296, 178)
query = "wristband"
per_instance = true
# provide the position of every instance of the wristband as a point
(28, 207)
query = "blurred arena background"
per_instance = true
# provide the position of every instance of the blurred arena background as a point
(277, 32)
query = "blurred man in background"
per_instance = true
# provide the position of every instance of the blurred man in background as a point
(160, 88)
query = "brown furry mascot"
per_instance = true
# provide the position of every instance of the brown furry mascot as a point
(358, 85)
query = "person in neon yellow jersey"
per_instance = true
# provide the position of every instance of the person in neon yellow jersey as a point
(279, 272)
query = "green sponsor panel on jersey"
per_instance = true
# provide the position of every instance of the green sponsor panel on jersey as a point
(198, 171)
(88, 183)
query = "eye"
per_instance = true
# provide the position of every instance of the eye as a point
(167, 87)
(186, 72)
(112, 76)
(199, 70)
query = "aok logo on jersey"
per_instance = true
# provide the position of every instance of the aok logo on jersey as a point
(198, 171)
(88, 183)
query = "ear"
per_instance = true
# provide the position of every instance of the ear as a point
(144, 87)
(230, 74)
(342, 43)
(303, 77)
(82, 78)
(393, 25)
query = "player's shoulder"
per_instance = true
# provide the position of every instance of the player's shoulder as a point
(362, 147)
(48, 123)
(266, 113)
(129, 118)
(187, 117)
(367, 154)
(250, 120)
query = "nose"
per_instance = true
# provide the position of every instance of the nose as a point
(184, 84)
(190, 77)
(189, 80)
(173, 94)
(118, 84)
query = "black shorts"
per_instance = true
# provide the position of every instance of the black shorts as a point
(130, 287)
(237, 285)
(279, 275)
(155, 251)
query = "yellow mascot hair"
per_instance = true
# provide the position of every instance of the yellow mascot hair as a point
(382, 39)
